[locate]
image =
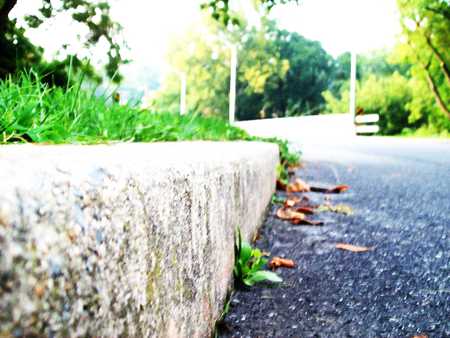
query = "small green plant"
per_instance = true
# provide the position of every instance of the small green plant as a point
(249, 262)
(282, 173)
(288, 157)
(277, 200)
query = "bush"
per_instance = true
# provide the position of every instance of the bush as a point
(388, 96)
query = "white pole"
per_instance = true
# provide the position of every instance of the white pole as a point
(353, 87)
(233, 79)
(183, 93)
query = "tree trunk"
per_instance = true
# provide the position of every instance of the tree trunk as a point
(435, 91)
(431, 83)
(442, 62)
(4, 12)
(7, 57)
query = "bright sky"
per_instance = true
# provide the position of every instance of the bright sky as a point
(149, 24)
(338, 24)
(341, 25)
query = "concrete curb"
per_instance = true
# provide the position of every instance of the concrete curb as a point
(125, 240)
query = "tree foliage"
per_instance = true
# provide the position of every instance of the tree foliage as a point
(426, 27)
(279, 73)
(18, 53)
(417, 96)
(295, 87)
(201, 55)
(222, 12)
(403, 100)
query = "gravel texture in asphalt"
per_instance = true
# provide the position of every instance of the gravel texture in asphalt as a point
(400, 196)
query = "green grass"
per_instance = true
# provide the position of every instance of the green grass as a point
(31, 111)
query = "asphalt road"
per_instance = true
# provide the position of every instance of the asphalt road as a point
(400, 194)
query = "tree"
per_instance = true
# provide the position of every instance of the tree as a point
(261, 68)
(426, 27)
(279, 73)
(221, 10)
(310, 73)
(296, 87)
(387, 95)
(203, 54)
(18, 53)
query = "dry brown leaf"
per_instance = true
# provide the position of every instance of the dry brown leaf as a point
(293, 168)
(306, 221)
(256, 236)
(353, 248)
(278, 262)
(289, 214)
(336, 190)
(305, 210)
(298, 186)
(39, 290)
(293, 201)
(281, 185)
(289, 203)
(72, 235)
(297, 199)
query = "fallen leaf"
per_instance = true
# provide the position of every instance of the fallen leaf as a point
(72, 235)
(353, 248)
(278, 262)
(289, 214)
(298, 186)
(306, 221)
(289, 203)
(305, 210)
(293, 168)
(336, 190)
(338, 208)
(302, 201)
(39, 290)
(319, 189)
(256, 236)
(281, 185)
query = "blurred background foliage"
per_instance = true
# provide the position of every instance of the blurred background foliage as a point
(280, 73)
(18, 53)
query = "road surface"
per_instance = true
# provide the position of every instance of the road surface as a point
(400, 194)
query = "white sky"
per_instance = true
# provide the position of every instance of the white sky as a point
(149, 24)
(338, 24)
(341, 25)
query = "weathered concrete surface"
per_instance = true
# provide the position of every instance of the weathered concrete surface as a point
(124, 240)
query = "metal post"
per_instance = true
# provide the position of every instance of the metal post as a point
(353, 87)
(183, 89)
(233, 79)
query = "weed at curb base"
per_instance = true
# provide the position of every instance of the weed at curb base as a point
(249, 263)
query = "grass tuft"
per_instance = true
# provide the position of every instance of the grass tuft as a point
(32, 111)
